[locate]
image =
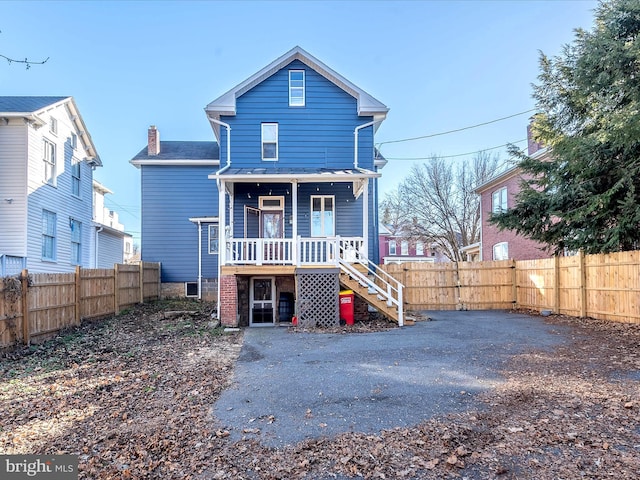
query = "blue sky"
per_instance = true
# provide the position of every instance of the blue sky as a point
(438, 65)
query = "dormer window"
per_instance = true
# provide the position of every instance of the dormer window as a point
(296, 88)
(270, 142)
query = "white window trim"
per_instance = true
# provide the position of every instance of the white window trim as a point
(303, 88)
(279, 207)
(333, 217)
(393, 247)
(50, 164)
(419, 249)
(78, 261)
(262, 142)
(404, 247)
(53, 125)
(74, 141)
(75, 163)
(499, 200)
(501, 245)
(53, 236)
(217, 238)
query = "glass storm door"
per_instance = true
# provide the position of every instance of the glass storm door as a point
(262, 300)
(272, 227)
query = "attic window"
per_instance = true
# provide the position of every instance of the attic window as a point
(53, 125)
(296, 88)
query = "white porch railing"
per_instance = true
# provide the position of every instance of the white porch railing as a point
(284, 251)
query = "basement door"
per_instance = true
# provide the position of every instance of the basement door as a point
(262, 302)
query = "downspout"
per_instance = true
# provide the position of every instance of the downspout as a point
(199, 260)
(97, 238)
(228, 127)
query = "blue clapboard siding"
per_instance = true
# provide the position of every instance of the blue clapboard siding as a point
(170, 196)
(319, 134)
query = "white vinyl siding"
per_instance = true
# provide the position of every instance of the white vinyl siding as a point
(499, 201)
(213, 239)
(296, 88)
(501, 251)
(48, 235)
(322, 216)
(76, 241)
(270, 142)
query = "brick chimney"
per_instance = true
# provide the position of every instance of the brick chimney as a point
(532, 145)
(153, 146)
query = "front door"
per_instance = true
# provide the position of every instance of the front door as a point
(262, 301)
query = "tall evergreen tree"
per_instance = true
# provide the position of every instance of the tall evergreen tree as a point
(587, 195)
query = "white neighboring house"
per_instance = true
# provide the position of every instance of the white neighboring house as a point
(113, 245)
(47, 160)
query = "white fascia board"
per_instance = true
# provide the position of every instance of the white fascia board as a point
(204, 219)
(288, 178)
(83, 133)
(191, 163)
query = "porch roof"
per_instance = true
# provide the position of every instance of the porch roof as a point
(289, 174)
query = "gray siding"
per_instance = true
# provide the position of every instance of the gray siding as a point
(170, 196)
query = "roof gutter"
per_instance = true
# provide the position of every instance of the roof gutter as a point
(228, 127)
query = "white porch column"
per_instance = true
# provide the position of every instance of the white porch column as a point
(365, 218)
(294, 215)
(222, 225)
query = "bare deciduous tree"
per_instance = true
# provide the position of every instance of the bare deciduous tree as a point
(437, 204)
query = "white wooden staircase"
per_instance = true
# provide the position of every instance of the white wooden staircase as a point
(373, 285)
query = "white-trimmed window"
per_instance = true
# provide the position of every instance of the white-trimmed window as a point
(48, 235)
(76, 241)
(270, 142)
(75, 177)
(296, 88)
(404, 247)
(49, 162)
(213, 239)
(499, 200)
(323, 216)
(419, 248)
(501, 251)
(53, 125)
(392, 247)
(74, 141)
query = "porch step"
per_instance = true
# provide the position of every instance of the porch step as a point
(371, 297)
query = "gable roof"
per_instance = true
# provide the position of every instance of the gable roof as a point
(31, 107)
(226, 103)
(180, 153)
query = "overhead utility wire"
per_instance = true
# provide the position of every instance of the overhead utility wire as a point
(457, 155)
(457, 129)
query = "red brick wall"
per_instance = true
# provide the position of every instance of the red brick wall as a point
(520, 248)
(228, 300)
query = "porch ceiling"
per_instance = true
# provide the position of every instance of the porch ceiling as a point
(288, 175)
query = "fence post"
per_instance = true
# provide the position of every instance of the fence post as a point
(116, 290)
(556, 283)
(583, 286)
(141, 272)
(514, 283)
(78, 293)
(26, 327)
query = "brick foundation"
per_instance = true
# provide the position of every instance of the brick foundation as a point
(360, 310)
(228, 301)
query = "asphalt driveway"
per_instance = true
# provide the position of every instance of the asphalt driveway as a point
(292, 386)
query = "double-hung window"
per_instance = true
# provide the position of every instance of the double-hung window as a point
(419, 249)
(213, 239)
(48, 235)
(49, 162)
(392, 247)
(499, 200)
(75, 177)
(270, 142)
(501, 251)
(76, 241)
(404, 248)
(322, 216)
(296, 88)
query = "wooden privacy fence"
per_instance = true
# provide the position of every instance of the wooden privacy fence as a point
(36, 306)
(605, 286)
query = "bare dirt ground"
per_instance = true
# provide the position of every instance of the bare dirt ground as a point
(132, 395)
